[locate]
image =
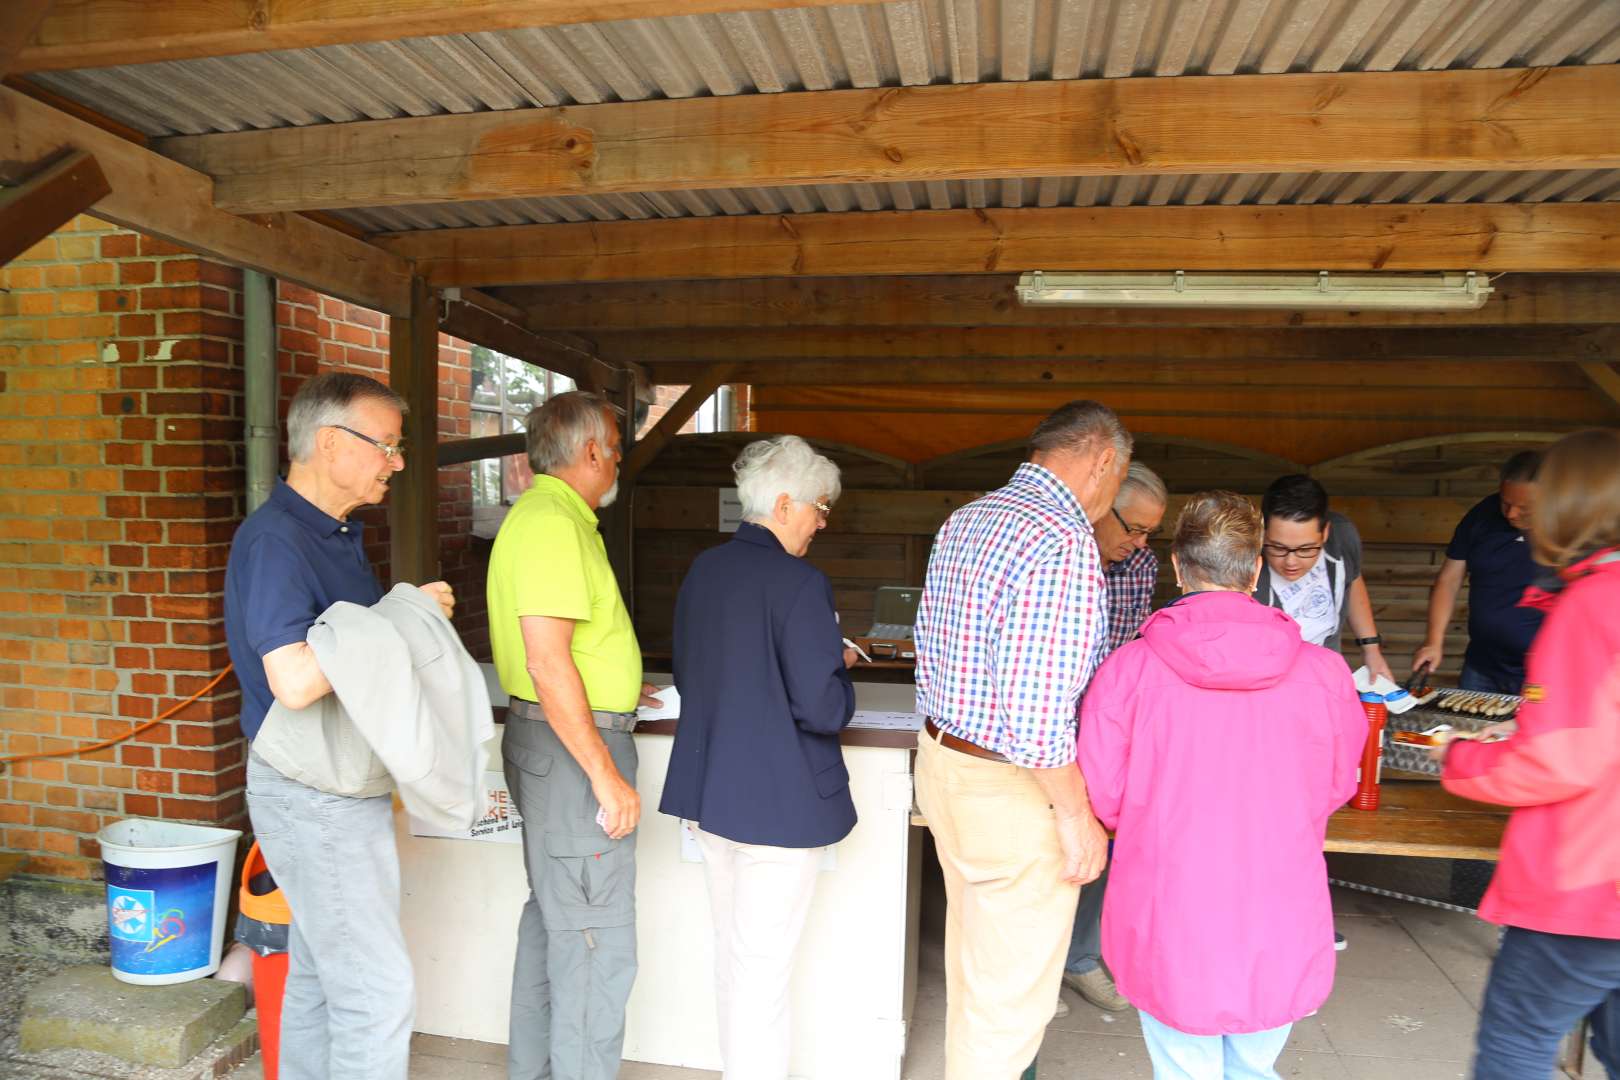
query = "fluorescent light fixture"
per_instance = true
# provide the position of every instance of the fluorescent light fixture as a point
(1386, 292)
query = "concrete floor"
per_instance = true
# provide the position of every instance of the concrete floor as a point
(1404, 1008)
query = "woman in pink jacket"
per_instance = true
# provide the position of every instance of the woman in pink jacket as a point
(1557, 888)
(1217, 745)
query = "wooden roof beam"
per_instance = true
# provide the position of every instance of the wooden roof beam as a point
(989, 300)
(1528, 237)
(163, 198)
(1387, 121)
(18, 21)
(470, 318)
(98, 33)
(878, 346)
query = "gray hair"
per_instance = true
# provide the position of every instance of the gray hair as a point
(783, 465)
(326, 401)
(1217, 542)
(1141, 482)
(1079, 427)
(559, 429)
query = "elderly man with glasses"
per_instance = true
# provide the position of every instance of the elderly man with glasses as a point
(1130, 573)
(349, 1000)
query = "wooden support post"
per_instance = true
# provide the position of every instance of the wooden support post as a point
(46, 201)
(413, 371)
(1603, 376)
(618, 520)
(702, 387)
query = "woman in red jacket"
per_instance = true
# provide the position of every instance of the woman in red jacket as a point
(1557, 889)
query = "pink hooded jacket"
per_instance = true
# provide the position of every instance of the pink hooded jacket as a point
(1217, 746)
(1560, 868)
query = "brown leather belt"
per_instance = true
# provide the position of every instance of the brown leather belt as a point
(961, 746)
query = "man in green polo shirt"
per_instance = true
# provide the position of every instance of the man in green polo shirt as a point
(566, 653)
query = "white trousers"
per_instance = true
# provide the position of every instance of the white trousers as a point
(759, 897)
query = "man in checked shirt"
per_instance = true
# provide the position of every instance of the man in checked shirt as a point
(1130, 571)
(1011, 625)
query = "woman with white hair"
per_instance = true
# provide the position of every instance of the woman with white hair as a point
(756, 768)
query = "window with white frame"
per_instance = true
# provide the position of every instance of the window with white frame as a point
(504, 390)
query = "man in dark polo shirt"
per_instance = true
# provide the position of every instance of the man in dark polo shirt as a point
(349, 999)
(1491, 550)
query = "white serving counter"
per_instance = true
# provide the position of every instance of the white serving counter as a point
(852, 995)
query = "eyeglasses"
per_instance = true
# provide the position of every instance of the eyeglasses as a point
(1132, 530)
(822, 509)
(1278, 551)
(389, 452)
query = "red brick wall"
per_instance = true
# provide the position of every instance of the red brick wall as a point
(120, 437)
(121, 485)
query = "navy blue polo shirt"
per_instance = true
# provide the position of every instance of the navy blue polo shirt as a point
(1499, 570)
(289, 562)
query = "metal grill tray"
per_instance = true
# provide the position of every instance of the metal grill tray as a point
(1415, 759)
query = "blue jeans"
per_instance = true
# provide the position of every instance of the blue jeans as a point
(1471, 678)
(1541, 986)
(1085, 943)
(350, 999)
(1179, 1056)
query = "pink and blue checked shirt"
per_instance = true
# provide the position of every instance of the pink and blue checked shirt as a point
(1130, 595)
(1012, 621)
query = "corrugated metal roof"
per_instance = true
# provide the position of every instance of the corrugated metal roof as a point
(910, 42)
(1578, 185)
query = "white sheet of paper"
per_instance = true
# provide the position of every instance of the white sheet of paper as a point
(887, 721)
(669, 707)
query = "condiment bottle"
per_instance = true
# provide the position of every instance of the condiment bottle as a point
(1372, 754)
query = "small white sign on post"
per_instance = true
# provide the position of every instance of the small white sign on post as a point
(730, 510)
(500, 822)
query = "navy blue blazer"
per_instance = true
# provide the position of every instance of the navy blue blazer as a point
(759, 661)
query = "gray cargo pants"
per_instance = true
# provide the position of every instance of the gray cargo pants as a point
(576, 952)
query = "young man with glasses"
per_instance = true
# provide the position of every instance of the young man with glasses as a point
(1313, 569)
(1313, 572)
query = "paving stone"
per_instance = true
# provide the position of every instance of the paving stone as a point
(86, 1008)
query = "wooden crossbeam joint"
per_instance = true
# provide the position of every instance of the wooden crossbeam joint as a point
(1603, 376)
(47, 200)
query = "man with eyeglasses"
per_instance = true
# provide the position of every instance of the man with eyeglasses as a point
(1130, 573)
(567, 654)
(350, 996)
(1313, 569)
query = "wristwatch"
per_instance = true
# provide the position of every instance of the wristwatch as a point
(1376, 639)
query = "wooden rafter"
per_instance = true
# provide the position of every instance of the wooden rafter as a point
(165, 199)
(1604, 377)
(18, 21)
(1530, 238)
(702, 386)
(1377, 376)
(797, 344)
(47, 200)
(96, 33)
(481, 324)
(989, 300)
(1388, 121)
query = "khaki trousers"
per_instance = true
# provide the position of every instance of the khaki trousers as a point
(1008, 911)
